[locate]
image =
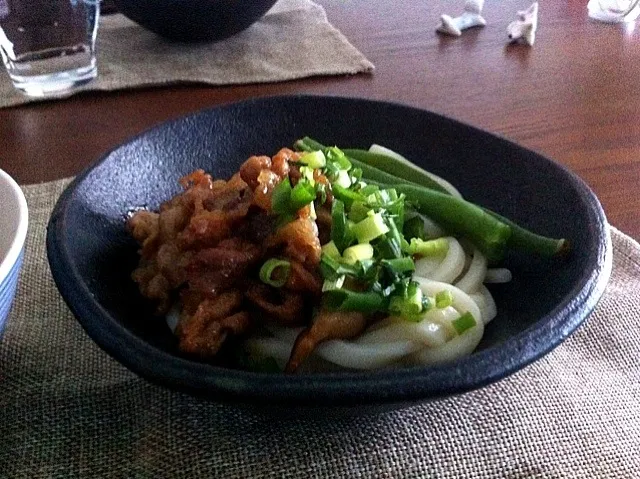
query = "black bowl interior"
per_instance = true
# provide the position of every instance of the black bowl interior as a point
(194, 20)
(92, 256)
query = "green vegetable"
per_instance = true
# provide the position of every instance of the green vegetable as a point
(342, 179)
(331, 250)
(359, 252)
(346, 300)
(428, 248)
(529, 242)
(347, 196)
(402, 169)
(286, 200)
(301, 195)
(281, 197)
(409, 305)
(399, 266)
(314, 159)
(275, 272)
(332, 269)
(464, 322)
(444, 299)
(370, 228)
(489, 234)
(414, 228)
(341, 233)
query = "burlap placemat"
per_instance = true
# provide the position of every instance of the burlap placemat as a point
(293, 40)
(68, 410)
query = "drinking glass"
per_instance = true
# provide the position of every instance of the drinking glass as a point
(614, 11)
(48, 46)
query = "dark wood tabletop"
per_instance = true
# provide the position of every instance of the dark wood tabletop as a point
(573, 96)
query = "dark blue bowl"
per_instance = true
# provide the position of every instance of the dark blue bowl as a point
(92, 256)
(194, 20)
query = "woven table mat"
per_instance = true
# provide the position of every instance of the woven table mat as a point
(293, 40)
(69, 410)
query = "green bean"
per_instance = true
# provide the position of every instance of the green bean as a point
(394, 167)
(529, 242)
(489, 234)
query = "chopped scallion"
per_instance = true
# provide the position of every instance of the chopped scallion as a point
(444, 299)
(358, 252)
(275, 272)
(464, 322)
(346, 300)
(370, 228)
(429, 248)
(315, 159)
(331, 250)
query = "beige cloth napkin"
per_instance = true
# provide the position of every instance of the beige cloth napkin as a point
(69, 410)
(293, 40)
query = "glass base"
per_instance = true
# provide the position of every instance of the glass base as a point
(614, 11)
(54, 83)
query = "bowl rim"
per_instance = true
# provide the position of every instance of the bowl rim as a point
(20, 232)
(342, 388)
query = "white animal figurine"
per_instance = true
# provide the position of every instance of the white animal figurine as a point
(524, 28)
(470, 18)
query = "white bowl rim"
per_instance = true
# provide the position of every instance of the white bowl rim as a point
(20, 234)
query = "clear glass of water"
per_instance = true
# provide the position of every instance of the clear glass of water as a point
(48, 46)
(613, 11)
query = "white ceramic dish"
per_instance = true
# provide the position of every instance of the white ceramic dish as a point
(14, 219)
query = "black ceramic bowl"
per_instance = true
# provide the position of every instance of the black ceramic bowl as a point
(194, 20)
(92, 256)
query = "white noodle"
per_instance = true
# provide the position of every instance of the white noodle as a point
(473, 278)
(381, 150)
(426, 332)
(498, 275)
(365, 356)
(446, 270)
(461, 300)
(486, 303)
(275, 348)
(459, 346)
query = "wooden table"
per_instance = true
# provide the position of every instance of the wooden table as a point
(572, 97)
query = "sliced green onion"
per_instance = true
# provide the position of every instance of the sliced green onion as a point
(414, 228)
(399, 266)
(369, 189)
(330, 284)
(307, 173)
(335, 155)
(346, 300)
(444, 299)
(301, 195)
(281, 197)
(346, 195)
(331, 250)
(409, 306)
(429, 248)
(358, 252)
(341, 233)
(330, 268)
(275, 272)
(370, 228)
(315, 159)
(464, 322)
(358, 211)
(343, 179)
(321, 192)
